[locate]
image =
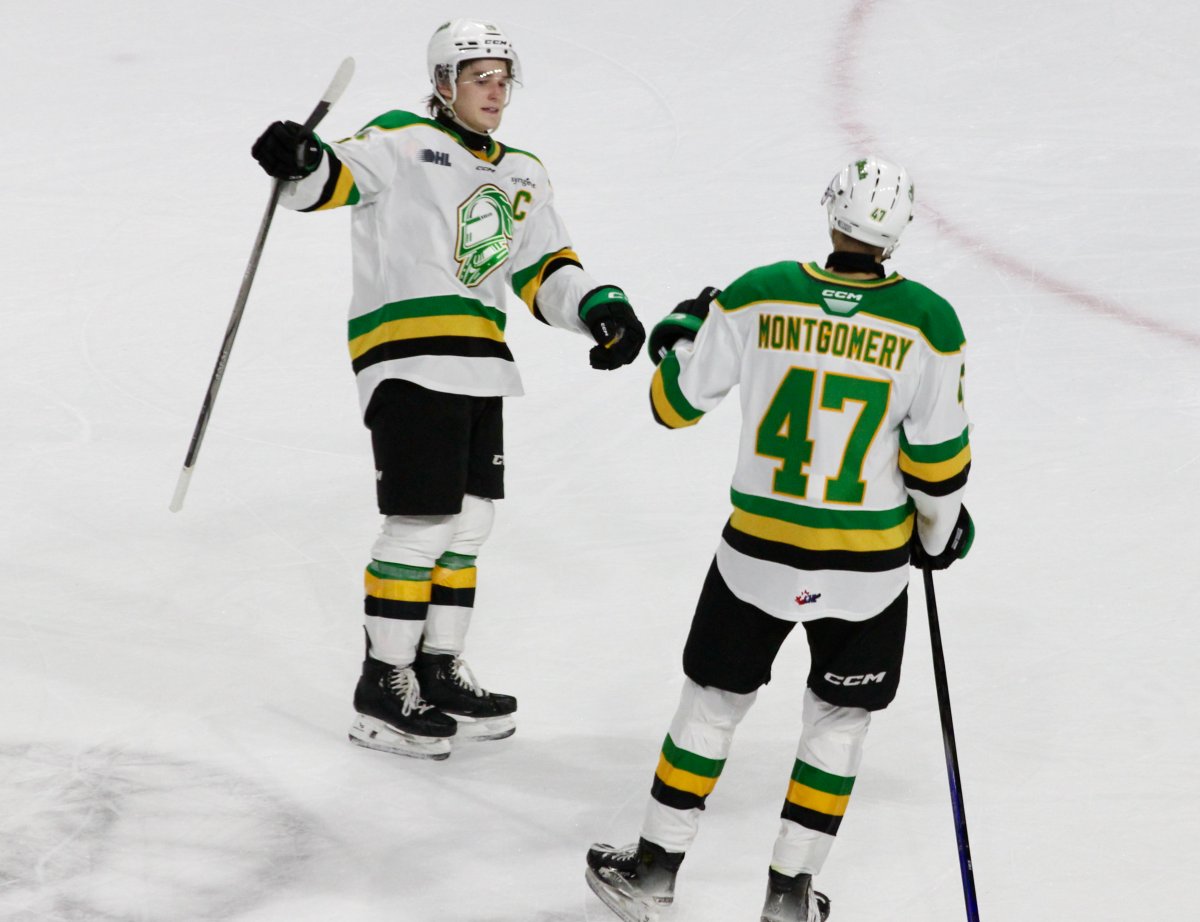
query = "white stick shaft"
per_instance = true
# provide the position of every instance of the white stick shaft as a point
(181, 487)
(340, 80)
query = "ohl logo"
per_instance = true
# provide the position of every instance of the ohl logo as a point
(807, 598)
(485, 226)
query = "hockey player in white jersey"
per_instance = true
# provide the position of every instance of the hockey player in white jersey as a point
(852, 462)
(444, 219)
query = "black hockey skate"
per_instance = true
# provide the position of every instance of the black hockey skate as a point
(393, 717)
(636, 881)
(793, 899)
(447, 683)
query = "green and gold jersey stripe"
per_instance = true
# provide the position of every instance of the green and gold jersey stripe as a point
(934, 463)
(821, 529)
(345, 192)
(339, 188)
(669, 405)
(821, 539)
(527, 282)
(448, 315)
(939, 471)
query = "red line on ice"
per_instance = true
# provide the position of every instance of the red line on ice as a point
(844, 80)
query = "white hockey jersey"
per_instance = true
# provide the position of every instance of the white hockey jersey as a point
(438, 232)
(853, 429)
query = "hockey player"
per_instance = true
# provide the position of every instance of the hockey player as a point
(853, 459)
(444, 218)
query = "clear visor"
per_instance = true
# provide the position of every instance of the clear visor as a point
(497, 76)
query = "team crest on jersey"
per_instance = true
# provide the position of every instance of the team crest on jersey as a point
(485, 227)
(807, 598)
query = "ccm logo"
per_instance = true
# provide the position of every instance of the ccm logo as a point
(851, 681)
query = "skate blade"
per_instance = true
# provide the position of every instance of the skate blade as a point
(371, 733)
(624, 906)
(479, 730)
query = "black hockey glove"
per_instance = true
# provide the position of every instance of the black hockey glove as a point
(682, 323)
(618, 333)
(286, 151)
(957, 547)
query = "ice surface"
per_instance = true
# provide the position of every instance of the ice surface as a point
(176, 688)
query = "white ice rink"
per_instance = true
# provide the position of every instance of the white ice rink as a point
(175, 688)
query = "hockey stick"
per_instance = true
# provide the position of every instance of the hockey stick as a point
(336, 86)
(956, 797)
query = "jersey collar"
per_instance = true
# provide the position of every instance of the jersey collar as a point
(483, 146)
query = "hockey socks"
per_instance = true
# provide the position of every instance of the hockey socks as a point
(692, 759)
(827, 762)
(396, 606)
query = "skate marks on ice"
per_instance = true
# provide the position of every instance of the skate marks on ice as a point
(108, 834)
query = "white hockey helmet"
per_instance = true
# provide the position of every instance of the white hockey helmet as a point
(870, 200)
(461, 40)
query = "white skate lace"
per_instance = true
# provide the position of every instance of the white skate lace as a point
(462, 674)
(625, 854)
(404, 684)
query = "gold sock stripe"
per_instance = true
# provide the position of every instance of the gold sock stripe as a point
(811, 799)
(682, 780)
(454, 579)
(398, 590)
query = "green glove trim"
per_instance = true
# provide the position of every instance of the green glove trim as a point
(606, 294)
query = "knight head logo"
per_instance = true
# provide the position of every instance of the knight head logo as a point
(485, 226)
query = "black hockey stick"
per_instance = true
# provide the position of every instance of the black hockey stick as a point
(344, 72)
(956, 797)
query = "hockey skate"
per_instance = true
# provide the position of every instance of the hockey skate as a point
(448, 684)
(393, 717)
(636, 882)
(793, 899)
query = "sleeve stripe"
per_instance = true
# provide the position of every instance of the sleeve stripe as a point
(527, 282)
(339, 188)
(935, 471)
(942, 451)
(670, 407)
(937, 487)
